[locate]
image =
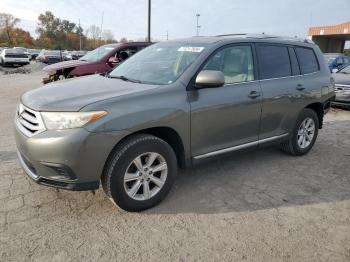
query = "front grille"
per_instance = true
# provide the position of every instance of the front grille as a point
(29, 121)
(342, 88)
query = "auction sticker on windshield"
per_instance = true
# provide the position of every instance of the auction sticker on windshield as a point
(195, 49)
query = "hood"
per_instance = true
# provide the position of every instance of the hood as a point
(342, 79)
(65, 64)
(74, 94)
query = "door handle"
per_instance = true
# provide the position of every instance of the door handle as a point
(300, 87)
(254, 94)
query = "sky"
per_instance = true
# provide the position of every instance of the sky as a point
(128, 18)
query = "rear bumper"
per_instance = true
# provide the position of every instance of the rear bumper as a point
(16, 61)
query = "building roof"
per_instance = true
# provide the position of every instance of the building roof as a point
(341, 29)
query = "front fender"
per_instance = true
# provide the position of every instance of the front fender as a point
(159, 107)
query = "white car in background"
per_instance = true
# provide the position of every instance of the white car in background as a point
(13, 57)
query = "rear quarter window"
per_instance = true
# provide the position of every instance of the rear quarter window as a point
(273, 61)
(307, 60)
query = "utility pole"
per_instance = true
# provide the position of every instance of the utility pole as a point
(167, 35)
(101, 25)
(149, 22)
(79, 35)
(198, 26)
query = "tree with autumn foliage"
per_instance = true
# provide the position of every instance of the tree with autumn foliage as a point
(10, 35)
(7, 26)
(56, 33)
(53, 33)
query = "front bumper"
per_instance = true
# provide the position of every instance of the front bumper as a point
(342, 97)
(70, 159)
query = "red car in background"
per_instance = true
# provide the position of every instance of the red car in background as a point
(101, 60)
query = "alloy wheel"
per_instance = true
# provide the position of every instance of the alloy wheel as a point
(145, 176)
(306, 133)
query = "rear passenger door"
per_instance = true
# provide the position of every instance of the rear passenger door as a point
(280, 82)
(314, 81)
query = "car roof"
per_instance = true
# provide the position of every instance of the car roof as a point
(245, 37)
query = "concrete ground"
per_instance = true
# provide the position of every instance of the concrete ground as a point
(257, 206)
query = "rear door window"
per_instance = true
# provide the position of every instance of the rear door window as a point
(307, 59)
(273, 61)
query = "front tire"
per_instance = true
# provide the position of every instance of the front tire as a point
(140, 172)
(303, 135)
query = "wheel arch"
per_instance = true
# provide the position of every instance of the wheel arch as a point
(318, 108)
(168, 134)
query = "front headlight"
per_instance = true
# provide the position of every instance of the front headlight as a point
(66, 120)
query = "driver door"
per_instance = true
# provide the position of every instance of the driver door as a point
(227, 117)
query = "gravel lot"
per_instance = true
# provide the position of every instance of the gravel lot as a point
(258, 206)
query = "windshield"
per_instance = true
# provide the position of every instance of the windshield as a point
(345, 70)
(160, 63)
(53, 53)
(330, 58)
(97, 54)
(21, 49)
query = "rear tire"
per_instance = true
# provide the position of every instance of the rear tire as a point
(303, 135)
(140, 172)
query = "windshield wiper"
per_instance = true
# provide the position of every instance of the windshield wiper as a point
(124, 78)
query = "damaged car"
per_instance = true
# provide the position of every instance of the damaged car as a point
(101, 60)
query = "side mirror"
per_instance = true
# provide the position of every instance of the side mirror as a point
(210, 79)
(335, 70)
(113, 60)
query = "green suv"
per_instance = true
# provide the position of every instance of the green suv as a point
(172, 105)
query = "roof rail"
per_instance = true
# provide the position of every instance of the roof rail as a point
(265, 36)
(230, 35)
